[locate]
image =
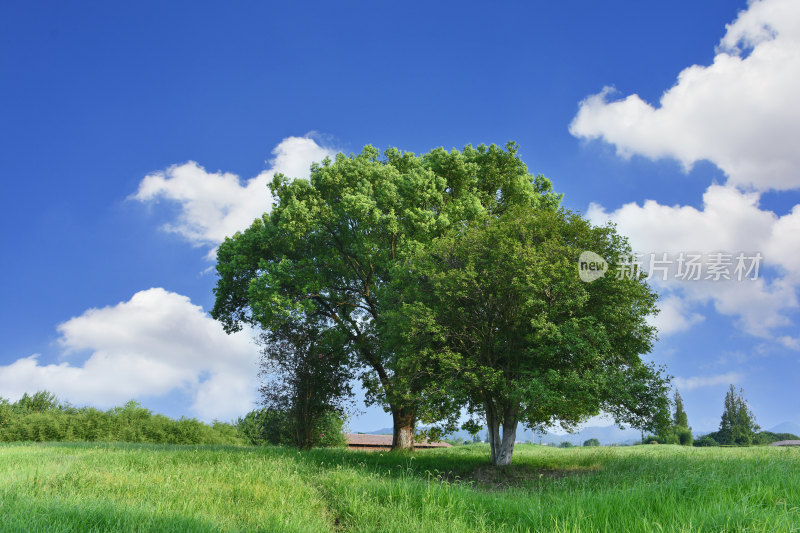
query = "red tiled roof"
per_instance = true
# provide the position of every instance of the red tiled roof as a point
(359, 440)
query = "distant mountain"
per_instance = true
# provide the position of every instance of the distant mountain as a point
(605, 434)
(610, 434)
(384, 431)
(786, 427)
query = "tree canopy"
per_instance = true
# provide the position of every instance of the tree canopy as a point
(498, 304)
(452, 281)
(332, 247)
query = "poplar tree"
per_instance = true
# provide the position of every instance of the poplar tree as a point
(738, 424)
(680, 420)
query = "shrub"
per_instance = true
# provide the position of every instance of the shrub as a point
(330, 431)
(5, 412)
(40, 418)
(271, 426)
(672, 435)
(684, 435)
(40, 402)
(592, 442)
(669, 438)
(265, 426)
(767, 437)
(706, 440)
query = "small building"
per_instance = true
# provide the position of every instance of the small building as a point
(786, 443)
(363, 441)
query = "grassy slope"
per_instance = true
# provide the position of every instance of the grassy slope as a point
(84, 487)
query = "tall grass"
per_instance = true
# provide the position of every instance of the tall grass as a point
(84, 487)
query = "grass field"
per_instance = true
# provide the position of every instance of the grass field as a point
(119, 487)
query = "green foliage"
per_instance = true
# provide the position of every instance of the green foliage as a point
(272, 427)
(265, 426)
(5, 412)
(330, 431)
(667, 436)
(685, 437)
(679, 418)
(499, 307)
(760, 438)
(706, 440)
(41, 418)
(767, 437)
(40, 402)
(332, 248)
(306, 375)
(738, 425)
(591, 442)
(678, 432)
(672, 435)
(565, 444)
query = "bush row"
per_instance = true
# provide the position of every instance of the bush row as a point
(760, 438)
(41, 418)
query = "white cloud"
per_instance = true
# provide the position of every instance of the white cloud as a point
(707, 381)
(742, 112)
(154, 344)
(793, 343)
(731, 221)
(214, 205)
(674, 316)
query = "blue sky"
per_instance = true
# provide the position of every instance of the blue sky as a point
(134, 137)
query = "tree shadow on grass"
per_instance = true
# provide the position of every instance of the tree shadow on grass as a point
(466, 466)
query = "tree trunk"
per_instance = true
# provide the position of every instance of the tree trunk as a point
(493, 424)
(403, 419)
(502, 449)
(509, 437)
(403, 436)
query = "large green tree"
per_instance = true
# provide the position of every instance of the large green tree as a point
(332, 247)
(500, 306)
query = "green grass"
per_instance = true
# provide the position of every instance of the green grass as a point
(125, 487)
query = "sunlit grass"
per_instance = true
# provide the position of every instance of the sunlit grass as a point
(118, 487)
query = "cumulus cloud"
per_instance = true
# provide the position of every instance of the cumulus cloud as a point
(793, 343)
(707, 381)
(730, 220)
(214, 205)
(152, 345)
(675, 316)
(741, 112)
